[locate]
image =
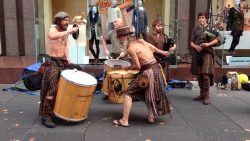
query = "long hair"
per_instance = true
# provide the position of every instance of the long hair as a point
(95, 18)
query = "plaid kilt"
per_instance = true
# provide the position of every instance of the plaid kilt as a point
(51, 75)
(208, 65)
(155, 95)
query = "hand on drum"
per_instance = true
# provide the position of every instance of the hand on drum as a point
(166, 53)
(122, 54)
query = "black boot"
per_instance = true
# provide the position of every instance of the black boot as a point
(199, 98)
(48, 122)
(206, 100)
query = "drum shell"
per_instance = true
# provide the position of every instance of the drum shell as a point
(73, 101)
(124, 79)
(105, 85)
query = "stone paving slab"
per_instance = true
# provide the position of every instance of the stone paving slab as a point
(226, 119)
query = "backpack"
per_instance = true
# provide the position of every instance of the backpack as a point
(32, 79)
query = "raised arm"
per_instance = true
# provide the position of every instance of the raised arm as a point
(104, 44)
(54, 34)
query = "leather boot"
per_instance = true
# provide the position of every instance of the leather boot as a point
(206, 100)
(199, 98)
(48, 122)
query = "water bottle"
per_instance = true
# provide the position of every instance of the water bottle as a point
(229, 82)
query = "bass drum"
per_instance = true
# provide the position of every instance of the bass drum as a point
(74, 96)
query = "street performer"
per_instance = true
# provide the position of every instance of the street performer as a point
(153, 94)
(204, 38)
(57, 60)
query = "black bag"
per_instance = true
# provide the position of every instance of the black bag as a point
(246, 86)
(75, 35)
(32, 80)
(169, 42)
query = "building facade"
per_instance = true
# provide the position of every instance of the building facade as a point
(24, 23)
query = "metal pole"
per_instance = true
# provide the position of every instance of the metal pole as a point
(36, 28)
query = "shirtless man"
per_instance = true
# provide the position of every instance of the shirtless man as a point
(56, 61)
(154, 95)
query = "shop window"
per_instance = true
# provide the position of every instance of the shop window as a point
(167, 10)
(232, 18)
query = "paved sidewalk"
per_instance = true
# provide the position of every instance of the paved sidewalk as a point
(226, 119)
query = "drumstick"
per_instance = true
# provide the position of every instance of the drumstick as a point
(110, 57)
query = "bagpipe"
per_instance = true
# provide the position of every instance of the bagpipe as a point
(169, 42)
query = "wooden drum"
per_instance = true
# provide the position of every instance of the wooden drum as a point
(118, 82)
(112, 65)
(74, 96)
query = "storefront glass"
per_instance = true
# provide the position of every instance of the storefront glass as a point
(234, 23)
(165, 9)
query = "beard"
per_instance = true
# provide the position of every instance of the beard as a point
(158, 30)
(63, 27)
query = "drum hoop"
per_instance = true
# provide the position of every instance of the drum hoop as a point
(126, 63)
(77, 83)
(72, 120)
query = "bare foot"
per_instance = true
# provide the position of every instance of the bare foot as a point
(150, 119)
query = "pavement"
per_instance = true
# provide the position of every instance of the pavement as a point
(227, 118)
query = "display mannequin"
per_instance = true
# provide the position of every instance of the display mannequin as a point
(94, 31)
(235, 24)
(140, 21)
(126, 8)
(77, 22)
(77, 40)
(113, 13)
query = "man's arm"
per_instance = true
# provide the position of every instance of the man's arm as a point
(212, 43)
(54, 34)
(104, 43)
(196, 47)
(156, 50)
(172, 49)
(136, 63)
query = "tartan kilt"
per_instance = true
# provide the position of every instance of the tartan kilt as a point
(156, 101)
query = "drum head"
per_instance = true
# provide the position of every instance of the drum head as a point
(79, 77)
(117, 64)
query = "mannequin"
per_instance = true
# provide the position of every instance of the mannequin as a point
(126, 8)
(113, 13)
(77, 22)
(140, 21)
(94, 32)
(235, 24)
